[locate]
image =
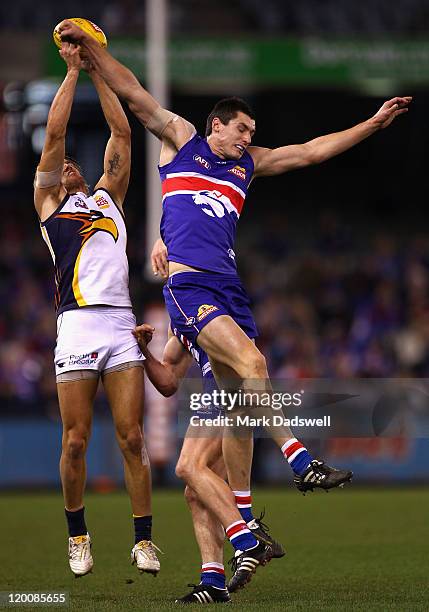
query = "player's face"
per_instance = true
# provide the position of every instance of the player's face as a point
(233, 139)
(72, 178)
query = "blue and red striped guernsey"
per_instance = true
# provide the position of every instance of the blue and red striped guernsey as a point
(202, 197)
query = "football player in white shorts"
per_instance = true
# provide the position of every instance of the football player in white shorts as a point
(86, 235)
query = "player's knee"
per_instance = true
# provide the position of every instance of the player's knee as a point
(184, 469)
(254, 366)
(75, 444)
(131, 442)
(190, 466)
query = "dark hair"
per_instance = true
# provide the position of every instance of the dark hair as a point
(226, 110)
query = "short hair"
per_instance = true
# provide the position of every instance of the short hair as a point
(226, 110)
(69, 159)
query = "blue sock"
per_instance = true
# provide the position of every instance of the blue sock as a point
(76, 522)
(240, 536)
(213, 574)
(142, 528)
(297, 456)
(243, 499)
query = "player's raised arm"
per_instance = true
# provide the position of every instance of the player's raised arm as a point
(164, 124)
(165, 375)
(269, 162)
(117, 157)
(47, 184)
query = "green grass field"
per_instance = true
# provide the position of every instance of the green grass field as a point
(349, 550)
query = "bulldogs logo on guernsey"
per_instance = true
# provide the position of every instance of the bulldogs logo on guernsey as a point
(203, 196)
(88, 247)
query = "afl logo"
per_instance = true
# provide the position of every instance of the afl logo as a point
(202, 161)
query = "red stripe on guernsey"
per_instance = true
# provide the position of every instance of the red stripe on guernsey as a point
(239, 499)
(293, 448)
(199, 183)
(210, 568)
(237, 529)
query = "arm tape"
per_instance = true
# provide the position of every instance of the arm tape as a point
(159, 120)
(43, 180)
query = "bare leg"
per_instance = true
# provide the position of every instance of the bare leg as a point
(125, 392)
(238, 455)
(209, 532)
(238, 459)
(228, 346)
(193, 468)
(75, 399)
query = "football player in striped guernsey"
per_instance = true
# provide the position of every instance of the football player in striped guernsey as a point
(86, 235)
(206, 442)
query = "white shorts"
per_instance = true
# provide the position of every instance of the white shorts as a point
(95, 338)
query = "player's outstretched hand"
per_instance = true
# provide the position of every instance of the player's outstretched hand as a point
(159, 260)
(143, 334)
(391, 109)
(70, 32)
(70, 54)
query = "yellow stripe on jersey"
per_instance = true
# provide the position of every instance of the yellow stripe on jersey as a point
(48, 242)
(75, 285)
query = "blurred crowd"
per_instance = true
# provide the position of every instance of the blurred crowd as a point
(343, 305)
(308, 17)
(338, 304)
(27, 320)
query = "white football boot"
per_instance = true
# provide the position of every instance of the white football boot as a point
(80, 558)
(144, 556)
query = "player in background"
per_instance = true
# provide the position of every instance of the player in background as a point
(206, 444)
(86, 235)
(205, 182)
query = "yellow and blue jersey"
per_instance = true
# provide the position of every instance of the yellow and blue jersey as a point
(87, 239)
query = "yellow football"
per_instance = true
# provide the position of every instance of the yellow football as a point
(87, 26)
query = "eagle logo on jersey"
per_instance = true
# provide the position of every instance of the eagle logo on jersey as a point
(91, 223)
(214, 203)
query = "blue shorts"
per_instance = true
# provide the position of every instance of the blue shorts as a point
(193, 299)
(209, 382)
